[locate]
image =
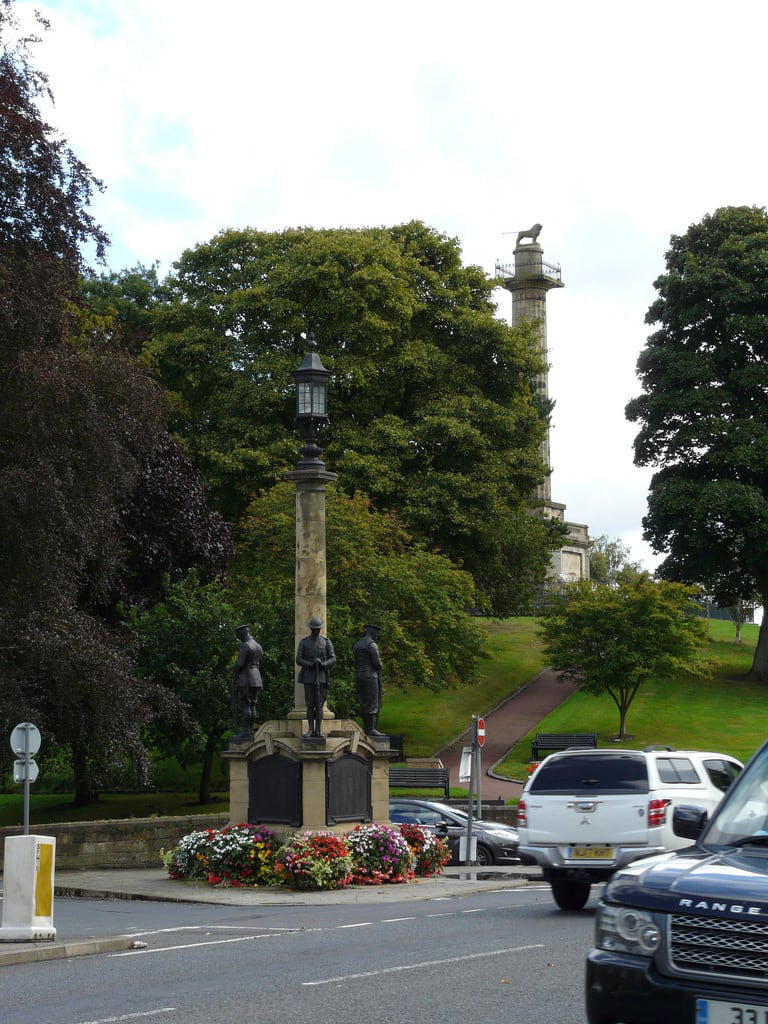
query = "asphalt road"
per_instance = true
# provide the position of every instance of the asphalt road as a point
(504, 956)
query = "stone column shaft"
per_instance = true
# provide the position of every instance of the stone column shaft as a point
(310, 586)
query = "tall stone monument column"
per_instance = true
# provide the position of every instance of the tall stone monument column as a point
(529, 280)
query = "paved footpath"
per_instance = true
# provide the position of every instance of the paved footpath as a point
(507, 724)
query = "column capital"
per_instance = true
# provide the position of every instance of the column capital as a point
(307, 477)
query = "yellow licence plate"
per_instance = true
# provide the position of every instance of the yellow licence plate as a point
(591, 853)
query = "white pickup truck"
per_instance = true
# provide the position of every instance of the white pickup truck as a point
(584, 814)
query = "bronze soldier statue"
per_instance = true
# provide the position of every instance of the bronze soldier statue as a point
(316, 657)
(246, 683)
(368, 678)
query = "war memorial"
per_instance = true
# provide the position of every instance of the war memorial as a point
(330, 773)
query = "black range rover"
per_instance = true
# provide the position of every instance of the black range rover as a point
(683, 937)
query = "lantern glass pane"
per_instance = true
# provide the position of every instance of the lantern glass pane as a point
(304, 399)
(318, 399)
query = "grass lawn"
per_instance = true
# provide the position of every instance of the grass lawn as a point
(429, 719)
(48, 808)
(722, 713)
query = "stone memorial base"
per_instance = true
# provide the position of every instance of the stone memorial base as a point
(286, 781)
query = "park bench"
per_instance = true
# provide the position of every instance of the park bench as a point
(420, 778)
(553, 741)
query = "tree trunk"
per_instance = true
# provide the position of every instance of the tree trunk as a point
(759, 670)
(622, 720)
(204, 791)
(84, 790)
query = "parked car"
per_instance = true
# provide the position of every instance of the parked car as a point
(496, 842)
(682, 936)
(584, 814)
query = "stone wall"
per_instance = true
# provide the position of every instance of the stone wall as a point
(128, 843)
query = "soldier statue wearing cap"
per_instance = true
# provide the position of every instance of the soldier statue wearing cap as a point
(368, 678)
(246, 682)
(316, 657)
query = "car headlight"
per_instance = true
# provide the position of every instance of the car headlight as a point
(626, 930)
(498, 833)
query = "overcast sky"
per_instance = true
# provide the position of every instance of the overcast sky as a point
(613, 125)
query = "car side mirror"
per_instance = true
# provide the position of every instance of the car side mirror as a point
(442, 826)
(688, 822)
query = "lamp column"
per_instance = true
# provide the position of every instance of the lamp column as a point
(310, 479)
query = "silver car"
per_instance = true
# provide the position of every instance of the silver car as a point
(496, 842)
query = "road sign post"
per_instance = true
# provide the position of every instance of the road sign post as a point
(25, 743)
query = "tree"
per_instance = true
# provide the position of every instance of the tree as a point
(435, 409)
(376, 573)
(703, 413)
(82, 436)
(611, 640)
(186, 642)
(609, 561)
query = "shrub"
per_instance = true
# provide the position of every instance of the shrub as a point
(431, 853)
(319, 860)
(380, 854)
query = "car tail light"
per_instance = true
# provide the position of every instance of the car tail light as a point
(522, 814)
(533, 766)
(657, 812)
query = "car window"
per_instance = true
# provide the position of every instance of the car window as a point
(732, 767)
(428, 817)
(402, 816)
(718, 773)
(592, 773)
(677, 770)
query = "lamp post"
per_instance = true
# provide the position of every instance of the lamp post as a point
(310, 478)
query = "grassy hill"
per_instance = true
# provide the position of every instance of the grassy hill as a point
(722, 713)
(429, 719)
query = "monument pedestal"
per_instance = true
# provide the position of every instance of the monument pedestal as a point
(280, 779)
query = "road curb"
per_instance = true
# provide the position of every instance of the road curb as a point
(64, 950)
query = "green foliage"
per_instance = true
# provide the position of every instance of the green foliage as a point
(186, 643)
(703, 413)
(612, 640)
(376, 572)
(434, 409)
(609, 561)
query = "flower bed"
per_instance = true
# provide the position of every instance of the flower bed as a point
(242, 855)
(235, 855)
(314, 860)
(380, 854)
(431, 853)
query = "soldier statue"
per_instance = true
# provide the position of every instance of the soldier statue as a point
(246, 683)
(316, 657)
(368, 678)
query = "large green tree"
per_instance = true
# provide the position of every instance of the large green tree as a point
(609, 561)
(611, 640)
(703, 413)
(376, 573)
(435, 411)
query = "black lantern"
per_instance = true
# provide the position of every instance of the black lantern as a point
(311, 402)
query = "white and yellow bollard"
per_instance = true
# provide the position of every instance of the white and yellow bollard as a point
(28, 873)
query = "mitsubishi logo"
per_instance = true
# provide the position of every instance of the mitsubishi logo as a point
(585, 821)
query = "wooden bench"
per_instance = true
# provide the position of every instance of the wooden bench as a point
(553, 741)
(420, 778)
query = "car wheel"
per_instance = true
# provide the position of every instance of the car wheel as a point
(570, 895)
(484, 856)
